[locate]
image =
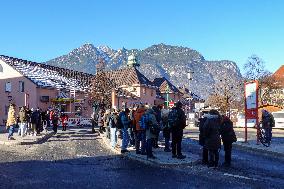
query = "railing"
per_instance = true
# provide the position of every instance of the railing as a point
(78, 121)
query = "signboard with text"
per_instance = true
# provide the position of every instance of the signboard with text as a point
(251, 103)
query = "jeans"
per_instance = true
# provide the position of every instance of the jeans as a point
(22, 129)
(131, 136)
(149, 147)
(125, 139)
(11, 131)
(113, 137)
(268, 134)
(140, 136)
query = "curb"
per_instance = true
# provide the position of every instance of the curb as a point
(147, 161)
(37, 141)
(258, 150)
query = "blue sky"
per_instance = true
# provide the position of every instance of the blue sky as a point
(40, 30)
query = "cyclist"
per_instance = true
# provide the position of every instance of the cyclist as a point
(267, 124)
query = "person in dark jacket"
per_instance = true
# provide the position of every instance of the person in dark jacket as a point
(267, 122)
(228, 137)
(158, 115)
(35, 119)
(202, 121)
(125, 123)
(54, 117)
(177, 131)
(212, 137)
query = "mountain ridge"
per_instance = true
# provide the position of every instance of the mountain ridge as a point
(159, 60)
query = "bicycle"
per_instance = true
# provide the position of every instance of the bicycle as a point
(261, 135)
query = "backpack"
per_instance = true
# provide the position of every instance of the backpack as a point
(111, 122)
(144, 121)
(173, 118)
(119, 124)
(272, 121)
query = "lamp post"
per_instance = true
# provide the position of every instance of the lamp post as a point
(167, 93)
(190, 77)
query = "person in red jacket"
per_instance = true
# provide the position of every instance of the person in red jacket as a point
(140, 134)
(64, 120)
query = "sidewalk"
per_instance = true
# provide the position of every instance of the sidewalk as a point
(275, 149)
(162, 158)
(22, 140)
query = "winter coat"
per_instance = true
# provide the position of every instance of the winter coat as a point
(64, 119)
(137, 116)
(23, 116)
(153, 122)
(113, 120)
(227, 132)
(11, 120)
(54, 118)
(125, 121)
(212, 132)
(267, 120)
(181, 120)
(201, 131)
(35, 117)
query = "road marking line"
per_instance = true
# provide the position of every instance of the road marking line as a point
(239, 176)
(79, 155)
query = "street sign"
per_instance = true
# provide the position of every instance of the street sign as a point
(171, 104)
(251, 103)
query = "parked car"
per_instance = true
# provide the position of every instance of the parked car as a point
(279, 119)
(241, 121)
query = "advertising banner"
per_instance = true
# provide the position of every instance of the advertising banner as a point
(251, 103)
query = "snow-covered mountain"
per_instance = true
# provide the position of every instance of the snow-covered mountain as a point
(172, 62)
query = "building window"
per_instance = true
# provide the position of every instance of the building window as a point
(144, 91)
(21, 86)
(1, 68)
(8, 87)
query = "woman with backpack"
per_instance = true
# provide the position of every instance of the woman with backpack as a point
(228, 137)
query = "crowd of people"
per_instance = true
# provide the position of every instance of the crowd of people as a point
(140, 127)
(33, 121)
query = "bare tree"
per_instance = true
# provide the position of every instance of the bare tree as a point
(270, 86)
(254, 68)
(226, 94)
(101, 88)
(270, 89)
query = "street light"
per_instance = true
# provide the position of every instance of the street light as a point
(190, 77)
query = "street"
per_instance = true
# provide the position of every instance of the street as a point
(77, 159)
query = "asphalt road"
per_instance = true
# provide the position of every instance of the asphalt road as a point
(77, 159)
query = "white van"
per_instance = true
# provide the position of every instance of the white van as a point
(279, 119)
